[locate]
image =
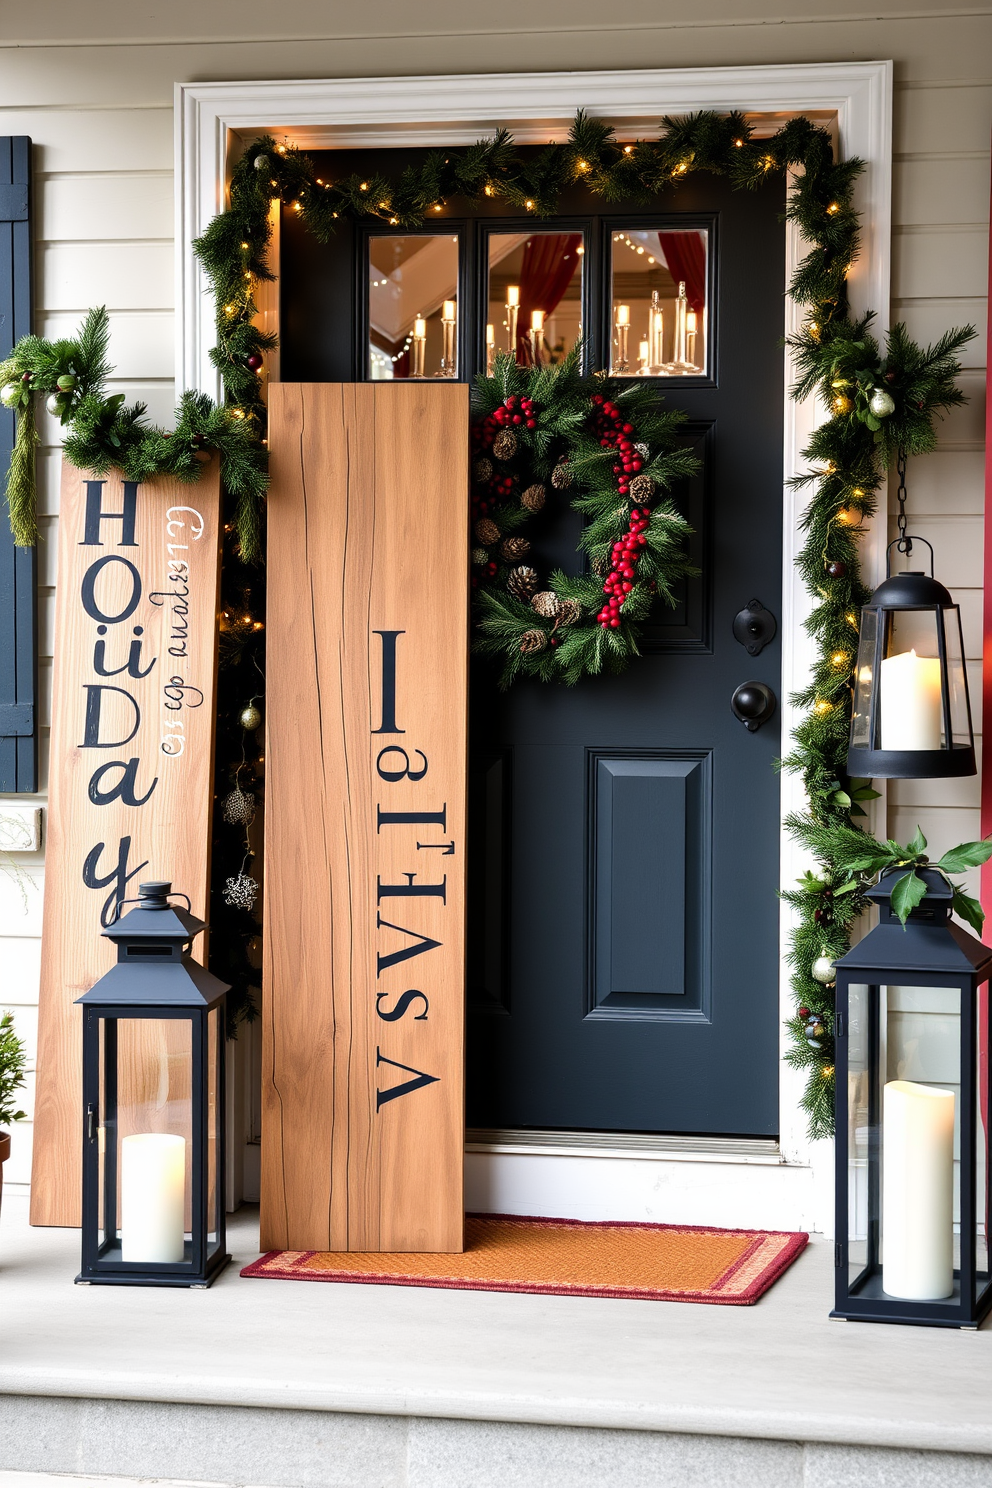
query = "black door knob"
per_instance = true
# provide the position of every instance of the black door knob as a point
(753, 703)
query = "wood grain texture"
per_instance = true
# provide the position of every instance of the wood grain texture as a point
(367, 533)
(100, 844)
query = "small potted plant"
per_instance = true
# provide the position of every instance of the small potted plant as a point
(12, 1061)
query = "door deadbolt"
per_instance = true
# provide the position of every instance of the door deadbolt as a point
(755, 627)
(753, 703)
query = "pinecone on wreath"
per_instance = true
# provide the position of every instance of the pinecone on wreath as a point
(570, 612)
(487, 532)
(561, 476)
(505, 444)
(533, 498)
(532, 640)
(547, 604)
(479, 557)
(642, 487)
(522, 582)
(514, 548)
(483, 469)
(600, 566)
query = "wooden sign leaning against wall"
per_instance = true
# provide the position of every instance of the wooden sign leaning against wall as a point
(131, 770)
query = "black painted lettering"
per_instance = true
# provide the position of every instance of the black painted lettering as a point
(403, 1004)
(87, 590)
(125, 787)
(410, 890)
(119, 876)
(405, 773)
(94, 702)
(133, 664)
(389, 639)
(417, 1083)
(411, 818)
(393, 958)
(95, 514)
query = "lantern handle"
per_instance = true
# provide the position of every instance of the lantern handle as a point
(900, 543)
(173, 894)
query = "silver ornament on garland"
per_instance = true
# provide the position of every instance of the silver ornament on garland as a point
(262, 162)
(814, 1030)
(54, 403)
(249, 718)
(241, 891)
(238, 808)
(882, 403)
(822, 969)
(10, 394)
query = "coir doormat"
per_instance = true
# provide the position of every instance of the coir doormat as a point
(567, 1257)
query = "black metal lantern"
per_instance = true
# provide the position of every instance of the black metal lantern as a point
(912, 1151)
(912, 716)
(153, 1106)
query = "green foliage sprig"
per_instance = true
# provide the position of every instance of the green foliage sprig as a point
(102, 432)
(13, 1063)
(549, 629)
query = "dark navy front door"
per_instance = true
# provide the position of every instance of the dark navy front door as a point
(624, 931)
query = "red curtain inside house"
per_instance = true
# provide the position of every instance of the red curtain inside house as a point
(549, 262)
(685, 254)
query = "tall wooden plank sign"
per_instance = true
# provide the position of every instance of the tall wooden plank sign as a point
(367, 647)
(131, 771)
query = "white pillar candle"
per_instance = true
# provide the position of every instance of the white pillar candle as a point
(917, 1191)
(490, 335)
(419, 328)
(623, 315)
(909, 702)
(513, 294)
(153, 1194)
(448, 313)
(537, 320)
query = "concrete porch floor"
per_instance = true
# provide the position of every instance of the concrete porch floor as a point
(294, 1385)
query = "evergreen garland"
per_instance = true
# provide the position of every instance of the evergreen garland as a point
(879, 404)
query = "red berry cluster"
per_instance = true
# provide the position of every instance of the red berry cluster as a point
(613, 433)
(623, 561)
(516, 411)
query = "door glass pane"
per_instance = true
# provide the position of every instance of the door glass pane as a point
(413, 306)
(146, 1138)
(535, 295)
(658, 312)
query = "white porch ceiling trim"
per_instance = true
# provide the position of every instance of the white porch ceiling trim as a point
(214, 120)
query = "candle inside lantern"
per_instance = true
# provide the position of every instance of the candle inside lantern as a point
(909, 702)
(917, 1191)
(537, 320)
(153, 1195)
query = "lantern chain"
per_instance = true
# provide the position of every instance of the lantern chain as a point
(905, 542)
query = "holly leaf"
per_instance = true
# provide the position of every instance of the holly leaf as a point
(906, 895)
(968, 909)
(869, 865)
(966, 855)
(918, 845)
(846, 888)
(865, 793)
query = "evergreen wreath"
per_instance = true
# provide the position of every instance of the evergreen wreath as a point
(607, 447)
(879, 403)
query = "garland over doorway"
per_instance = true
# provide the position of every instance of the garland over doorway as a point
(879, 402)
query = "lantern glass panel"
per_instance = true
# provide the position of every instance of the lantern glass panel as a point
(909, 702)
(956, 679)
(215, 1053)
(862, 1153)
(146, 1138)
(865, 681)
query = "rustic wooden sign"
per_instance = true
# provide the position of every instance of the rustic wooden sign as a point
(367, 648)
(131, 770)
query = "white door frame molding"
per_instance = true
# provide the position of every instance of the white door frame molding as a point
(214, 120)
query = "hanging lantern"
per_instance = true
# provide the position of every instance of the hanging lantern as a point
(912, 716)
(912, 1155)
(153, 1106)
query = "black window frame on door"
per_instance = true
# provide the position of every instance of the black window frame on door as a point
(597, 231)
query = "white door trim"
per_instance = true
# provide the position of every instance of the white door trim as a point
(213, 120)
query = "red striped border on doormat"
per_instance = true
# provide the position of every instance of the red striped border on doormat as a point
(568, 1257)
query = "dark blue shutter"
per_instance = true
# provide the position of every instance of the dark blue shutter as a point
(18, 566)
